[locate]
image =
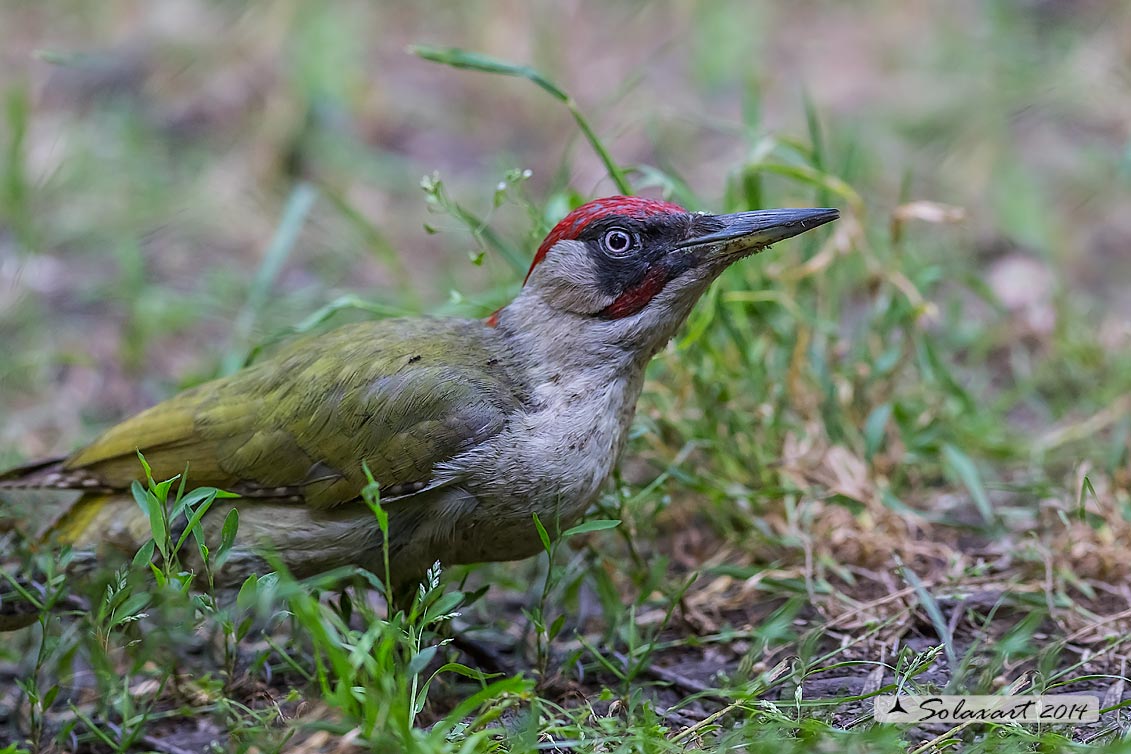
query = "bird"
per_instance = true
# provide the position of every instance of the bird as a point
(470, 427)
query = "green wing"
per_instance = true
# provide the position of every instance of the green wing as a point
(398, 395)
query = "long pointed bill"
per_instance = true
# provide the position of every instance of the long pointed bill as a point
(744, 232)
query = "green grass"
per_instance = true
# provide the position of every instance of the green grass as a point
(858, 469)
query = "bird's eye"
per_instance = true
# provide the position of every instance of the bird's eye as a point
(617, 241)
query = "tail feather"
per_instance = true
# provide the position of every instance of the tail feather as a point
(44, 473)
(94, 524)
(36, 496)
(50, 474)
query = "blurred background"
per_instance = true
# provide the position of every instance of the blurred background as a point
(148, 151)
(936, 384)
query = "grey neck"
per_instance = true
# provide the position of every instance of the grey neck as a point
(556, 343)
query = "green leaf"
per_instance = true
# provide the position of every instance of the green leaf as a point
(130, 608)
(960, 466)
(542, 533)
(193, 526)
(145, 467)
(421, 659)
(556, 626)
(228, 534)
(249, 593)
(1086, 488)
(140, 495)
(451, 667)
(442, 607)
(875, 426)
(144, 554)
(180, 490)
(515, 685)
(190, 499)
(161, 489)
(597, 524)
(156, 515)
(465, 671)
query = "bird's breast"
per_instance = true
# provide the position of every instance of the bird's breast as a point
(553, 458)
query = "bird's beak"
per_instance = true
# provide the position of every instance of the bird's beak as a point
(745, 232)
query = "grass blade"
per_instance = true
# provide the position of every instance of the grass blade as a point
(298, 207)
(960, 466)
(474, 61)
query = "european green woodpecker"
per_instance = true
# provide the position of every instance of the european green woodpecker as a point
(469, 426)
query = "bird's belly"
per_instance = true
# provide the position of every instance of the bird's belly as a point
(305, 541)
(501, 526)
(552, 463)
(490, 542)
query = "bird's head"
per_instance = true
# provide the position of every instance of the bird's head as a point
(632, 268)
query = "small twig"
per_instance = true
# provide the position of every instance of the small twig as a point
(870, 607)
(705, 722)
(1088, 427)
(1095, 625)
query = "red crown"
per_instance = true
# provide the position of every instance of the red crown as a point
(574, 224)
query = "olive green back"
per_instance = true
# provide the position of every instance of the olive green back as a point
(397, 395)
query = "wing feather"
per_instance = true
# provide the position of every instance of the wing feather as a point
(303, 422)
